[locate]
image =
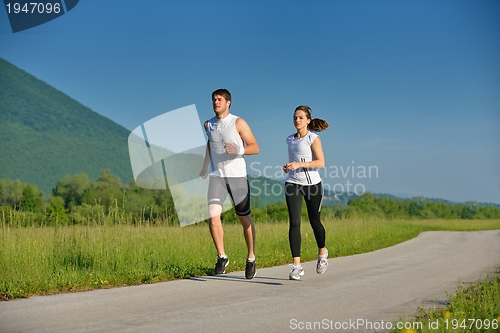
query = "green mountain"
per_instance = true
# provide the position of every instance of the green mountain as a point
(45, 134)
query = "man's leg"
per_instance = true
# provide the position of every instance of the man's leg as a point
(216, 229)
(217, 192)
(249, 233)
(215, 226)
(239, 190)
(240, 193)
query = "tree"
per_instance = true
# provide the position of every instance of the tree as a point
(10, 192)
(31, 199)
(71, 189)
(57, 211)
(105, 190)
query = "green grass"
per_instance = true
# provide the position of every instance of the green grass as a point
(46, 260)
(474, 307)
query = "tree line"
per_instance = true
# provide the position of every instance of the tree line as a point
(417, 207)
(78, 200)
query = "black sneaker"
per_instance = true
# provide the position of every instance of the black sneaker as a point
(220, 266)
(250, 270)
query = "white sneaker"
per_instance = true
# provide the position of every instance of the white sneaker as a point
(322, 264)
(296, 272)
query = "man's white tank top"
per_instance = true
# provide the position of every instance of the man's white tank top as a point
(220, 132)
(300, 151)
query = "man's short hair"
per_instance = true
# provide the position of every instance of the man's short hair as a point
(224, 93)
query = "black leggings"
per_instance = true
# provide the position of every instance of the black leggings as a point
(313, 195)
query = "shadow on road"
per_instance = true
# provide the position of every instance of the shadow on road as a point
(234, 278)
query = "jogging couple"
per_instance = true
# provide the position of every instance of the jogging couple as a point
(229, 139)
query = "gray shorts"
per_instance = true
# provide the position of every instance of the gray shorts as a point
(237, 187)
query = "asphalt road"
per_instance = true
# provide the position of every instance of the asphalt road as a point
(359, 293)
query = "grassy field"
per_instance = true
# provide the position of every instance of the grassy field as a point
(47, 260)
(474, 307)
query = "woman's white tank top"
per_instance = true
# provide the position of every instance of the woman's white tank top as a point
(300, 151)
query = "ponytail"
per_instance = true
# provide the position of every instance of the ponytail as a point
(316, 124)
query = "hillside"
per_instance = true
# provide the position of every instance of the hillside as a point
(45, 134)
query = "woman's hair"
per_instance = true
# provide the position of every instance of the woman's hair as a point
(316, 124)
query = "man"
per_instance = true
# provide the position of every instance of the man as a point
(229, 138)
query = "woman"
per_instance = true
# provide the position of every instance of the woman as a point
(305, 156)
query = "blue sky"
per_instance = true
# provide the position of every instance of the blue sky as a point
(409, 87)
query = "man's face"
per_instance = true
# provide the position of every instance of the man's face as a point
(220, 104)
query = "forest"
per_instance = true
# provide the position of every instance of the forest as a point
(106, 200)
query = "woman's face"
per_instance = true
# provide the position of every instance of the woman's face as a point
(300, 119)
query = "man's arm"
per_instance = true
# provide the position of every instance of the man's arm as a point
(206, 162)
(249, 141)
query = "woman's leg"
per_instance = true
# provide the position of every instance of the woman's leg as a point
(313, 196)
(294, 202)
